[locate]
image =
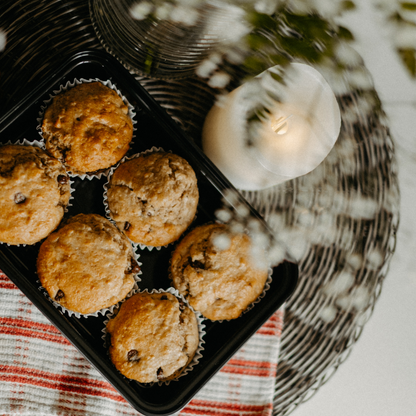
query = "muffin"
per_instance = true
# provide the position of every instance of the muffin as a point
(153, 337)
(87, 265)
(34, 192)
(87, 127)
(153, 198)
(214, 270)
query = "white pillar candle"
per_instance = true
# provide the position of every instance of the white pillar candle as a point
(307, 122)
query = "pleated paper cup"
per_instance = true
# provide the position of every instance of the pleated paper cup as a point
(68, 86)
(201, 329)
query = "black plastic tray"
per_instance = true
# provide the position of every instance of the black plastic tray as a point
(154, 128)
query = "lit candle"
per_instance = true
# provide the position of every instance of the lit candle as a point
(302, 129)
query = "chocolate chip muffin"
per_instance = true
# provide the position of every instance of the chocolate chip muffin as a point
(214, 270)
(34, 192)
(87, 127)
(153, 198)
(87, 264)
(153, 337)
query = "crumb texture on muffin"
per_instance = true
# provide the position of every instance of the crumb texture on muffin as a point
(87, 127)
(87, 265)
(153, 337)
(219, 283)
(34, 192)
(153, 198)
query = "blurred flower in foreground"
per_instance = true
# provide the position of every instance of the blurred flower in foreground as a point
(2, 40)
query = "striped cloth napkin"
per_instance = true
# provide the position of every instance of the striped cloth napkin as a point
(41, 373)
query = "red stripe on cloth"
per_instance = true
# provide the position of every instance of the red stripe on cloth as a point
(255, 364)
(273, 326)
(248, 371)
(269, 332)
(60, 382)
(5, 282)
(22, 323)
(20, 332)
(7, 285)
(208, 408)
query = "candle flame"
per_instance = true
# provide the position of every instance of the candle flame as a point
(279, 125)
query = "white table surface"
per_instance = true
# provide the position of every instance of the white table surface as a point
(379, 377)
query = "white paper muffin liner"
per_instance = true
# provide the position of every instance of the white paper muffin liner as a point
(66, 87)
(201, 329)
(251, 305)
(103, 311)
(41, 145)
(105, 199)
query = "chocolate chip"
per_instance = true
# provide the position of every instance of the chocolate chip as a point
(134, 267)
(163, 297)
(19, 198)
(133, 355)
(59, 295)
(196, 264)
(159, 373)
(62, 179)
(78, 119)
(127, 226)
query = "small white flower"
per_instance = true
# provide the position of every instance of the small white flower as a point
(355, 261)
(360, 298)
(305, 218)
(221, 100)
(362, 207)
(236, 227)
(360, 78)
(206, 68)
(260, 239)
(140, 11)
(231, 197)
(328, 313)
(163, 11)
(185, 15)
(347, 54)
(340, 284)
(254, 225)
(242, 211)
(3, 39)
(219, 80)
(374, 259)
(298, 246)
(276, 254)
(265, 6)
(223, 215)
(222, 241)
(344, 302)
(346, 148)
(276, 221)
(233, 27)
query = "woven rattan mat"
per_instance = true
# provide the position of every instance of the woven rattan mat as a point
(341, 218)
